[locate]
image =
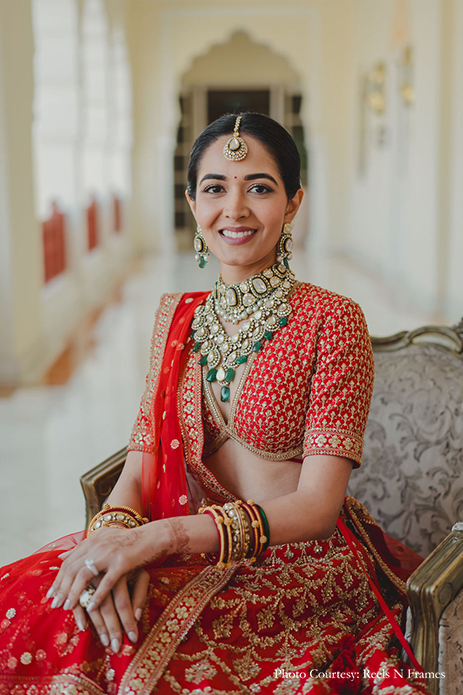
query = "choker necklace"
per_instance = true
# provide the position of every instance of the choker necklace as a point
(261, 301)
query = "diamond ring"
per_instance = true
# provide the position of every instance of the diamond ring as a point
(90, 564)
(86, 596)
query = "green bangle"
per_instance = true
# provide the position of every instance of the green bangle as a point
(265, 525)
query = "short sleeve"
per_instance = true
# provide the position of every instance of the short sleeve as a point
(141, 438)
(341, 385)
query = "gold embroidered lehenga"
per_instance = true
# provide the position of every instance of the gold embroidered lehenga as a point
(304, 618)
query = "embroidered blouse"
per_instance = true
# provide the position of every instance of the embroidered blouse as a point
(307, 392)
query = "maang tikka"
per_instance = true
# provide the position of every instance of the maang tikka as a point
(201, 248)
(285, 245)
(236, 149)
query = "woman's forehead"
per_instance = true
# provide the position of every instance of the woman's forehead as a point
(257, 159)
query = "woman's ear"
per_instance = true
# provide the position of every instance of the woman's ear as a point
(293, 206)
(191, 203)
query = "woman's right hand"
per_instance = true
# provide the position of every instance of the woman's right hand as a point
(120, 610)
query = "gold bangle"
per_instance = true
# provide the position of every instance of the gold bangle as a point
(240, 543)
(109, 516)
(246, 527)
(219, 523)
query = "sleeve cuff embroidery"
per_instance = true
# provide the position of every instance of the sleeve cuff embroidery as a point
(335, 443)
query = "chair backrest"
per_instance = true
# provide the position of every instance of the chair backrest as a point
(411, 478)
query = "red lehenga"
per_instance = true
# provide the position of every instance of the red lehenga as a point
(304, 618)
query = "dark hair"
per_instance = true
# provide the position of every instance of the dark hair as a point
(271, 134)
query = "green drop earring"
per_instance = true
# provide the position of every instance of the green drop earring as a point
(201, 248)
(285, 245)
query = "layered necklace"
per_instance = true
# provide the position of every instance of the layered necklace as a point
(261, 302)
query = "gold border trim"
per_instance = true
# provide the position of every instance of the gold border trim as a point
(163, 321)
(176, 620)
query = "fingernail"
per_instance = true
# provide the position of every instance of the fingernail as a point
(51, 592)
(55, 602)
(138, 614)
(115, 644)
(104, 639)
(80, 624)
(91, 606)
(67, 605)
(132, 637)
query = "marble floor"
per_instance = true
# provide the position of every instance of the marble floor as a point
(50, 435)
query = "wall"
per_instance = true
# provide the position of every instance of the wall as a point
(453, 289)
(21, 342)
(405, 213)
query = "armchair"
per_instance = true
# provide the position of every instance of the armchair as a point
(411, 481)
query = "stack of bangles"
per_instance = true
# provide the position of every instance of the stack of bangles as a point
(123, 517)
(243, 531)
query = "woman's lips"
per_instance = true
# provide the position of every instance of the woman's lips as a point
(237, 235)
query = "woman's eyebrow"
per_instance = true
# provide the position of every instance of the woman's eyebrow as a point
(249, 177)
(219, 177)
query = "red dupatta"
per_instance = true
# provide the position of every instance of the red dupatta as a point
(165, 492)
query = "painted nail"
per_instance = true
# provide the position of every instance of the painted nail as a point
(115, 644)
(67, 605)
(51, 592)
(56, 600)
(104, 639)
(138, 614)
(132, 637)
(80, 624)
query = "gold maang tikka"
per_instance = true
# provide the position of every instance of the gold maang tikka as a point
(236, 149)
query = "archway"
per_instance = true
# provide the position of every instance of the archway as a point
(238, 75)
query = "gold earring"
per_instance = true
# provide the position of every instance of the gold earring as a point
(201, 248)
(285, 245)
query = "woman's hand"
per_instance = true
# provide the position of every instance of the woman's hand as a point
(115, 552)
(120, 607)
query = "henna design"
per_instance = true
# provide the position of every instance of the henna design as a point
(178, 535)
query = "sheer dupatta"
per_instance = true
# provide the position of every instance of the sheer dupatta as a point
(165, 492)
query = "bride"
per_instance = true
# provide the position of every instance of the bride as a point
(227, 558)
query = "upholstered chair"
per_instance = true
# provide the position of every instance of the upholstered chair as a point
(411, 481)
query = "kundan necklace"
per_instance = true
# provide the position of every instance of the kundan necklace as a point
(261, 301)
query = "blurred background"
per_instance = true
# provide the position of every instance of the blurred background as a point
(100, 101)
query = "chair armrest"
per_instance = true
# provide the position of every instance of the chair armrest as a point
(430, 589)
(99, 481)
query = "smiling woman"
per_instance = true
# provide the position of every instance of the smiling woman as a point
(228, 554)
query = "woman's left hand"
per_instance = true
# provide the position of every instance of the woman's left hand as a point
(114, 552)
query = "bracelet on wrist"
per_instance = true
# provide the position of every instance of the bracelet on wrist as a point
(243, 531)
(120, 516)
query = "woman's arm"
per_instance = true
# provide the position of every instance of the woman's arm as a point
(128, 489)
(309, 513)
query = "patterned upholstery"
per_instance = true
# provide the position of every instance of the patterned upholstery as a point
(411, 476)
(451, 647)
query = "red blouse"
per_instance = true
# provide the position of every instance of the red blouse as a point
(307, 392)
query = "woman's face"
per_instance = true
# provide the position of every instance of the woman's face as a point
(241, 208)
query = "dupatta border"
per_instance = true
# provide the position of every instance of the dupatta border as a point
(360, 517)
(163, 321)
(67, 683)
(173, 624)
(189, 402)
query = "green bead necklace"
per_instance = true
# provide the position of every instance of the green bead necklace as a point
(261, 302)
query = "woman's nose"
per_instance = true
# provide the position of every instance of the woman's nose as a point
(236, 206)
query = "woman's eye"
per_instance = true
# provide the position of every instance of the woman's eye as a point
(215, 188)
(260, 188)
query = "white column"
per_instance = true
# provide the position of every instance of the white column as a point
(20, 245)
